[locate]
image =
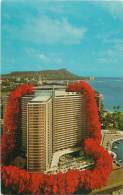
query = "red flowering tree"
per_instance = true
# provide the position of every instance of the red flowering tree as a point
(11, 119)
(20, 180)
(94, 126)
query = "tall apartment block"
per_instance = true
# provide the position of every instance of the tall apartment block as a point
(53, 123)
(23, 126)
(99, 100)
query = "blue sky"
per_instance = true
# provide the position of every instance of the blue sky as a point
(86, 37)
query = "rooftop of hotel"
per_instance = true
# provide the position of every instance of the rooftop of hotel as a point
(40, 98)
(45, 96)
(51, 87)
(64, 93)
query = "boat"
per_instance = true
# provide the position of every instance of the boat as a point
(117, 142)
(120, 161)
(113, 154)
(114, 147)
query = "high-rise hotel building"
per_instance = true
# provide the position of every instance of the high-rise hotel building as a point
(54, 122)
(69, 120)
(51, 120)
(39, 133)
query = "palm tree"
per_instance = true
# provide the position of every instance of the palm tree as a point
(114, 108)
(118, 107)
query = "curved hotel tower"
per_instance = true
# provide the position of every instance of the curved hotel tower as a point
(54, 122)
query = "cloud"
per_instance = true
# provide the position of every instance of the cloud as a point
(115, 8)
(49, 31)
(112, 55)
(47, 58)
(35, 60)
(43, 57)
(51, 58)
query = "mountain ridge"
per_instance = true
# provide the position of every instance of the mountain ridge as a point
(57, 74)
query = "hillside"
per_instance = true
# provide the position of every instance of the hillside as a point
(61, 74)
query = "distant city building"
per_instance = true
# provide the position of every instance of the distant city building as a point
(99, 100)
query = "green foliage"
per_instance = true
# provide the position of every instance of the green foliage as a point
(111, 120)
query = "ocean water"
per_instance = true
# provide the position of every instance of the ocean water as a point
(112, 90)
(117, 147)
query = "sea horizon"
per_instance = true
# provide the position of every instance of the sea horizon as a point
(111, 89)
